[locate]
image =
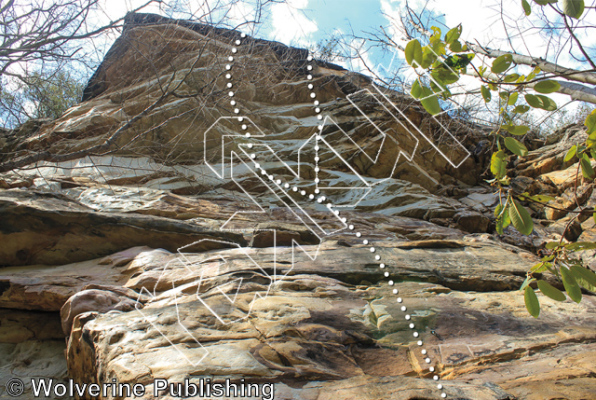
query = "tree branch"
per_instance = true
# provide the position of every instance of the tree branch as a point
(575, 90)
(545, 66)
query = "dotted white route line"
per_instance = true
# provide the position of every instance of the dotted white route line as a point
(233, 103)
(372, 249)
(330, 206)
(312, 197)
(365, 242)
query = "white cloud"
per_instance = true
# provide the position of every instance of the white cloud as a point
(290, 25)
(497, 24)
(114, 9)
(241, 14)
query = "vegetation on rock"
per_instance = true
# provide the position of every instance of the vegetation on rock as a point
(446, 58)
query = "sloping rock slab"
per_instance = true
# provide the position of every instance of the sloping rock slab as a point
(50, 229)
(324, 321)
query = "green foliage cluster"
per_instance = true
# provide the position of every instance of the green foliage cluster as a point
(443, 61)
(561, 263)
(39, 95)
(328, 49)
(53, 95)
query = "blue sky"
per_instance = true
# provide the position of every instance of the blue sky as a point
(303, 23)
(331, 15)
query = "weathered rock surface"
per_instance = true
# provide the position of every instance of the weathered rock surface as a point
(158, 259)
(322, 322)
(40, 228)
(31, 346)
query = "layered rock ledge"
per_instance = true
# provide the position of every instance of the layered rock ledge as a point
(164, 255)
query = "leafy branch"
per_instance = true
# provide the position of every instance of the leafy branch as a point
(445, 59)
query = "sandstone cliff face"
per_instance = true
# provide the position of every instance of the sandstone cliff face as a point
(179, 252)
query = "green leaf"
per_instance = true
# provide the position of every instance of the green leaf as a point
(453, 34)
(498, 210)
(511, 78)
(520, 218)
(486, 95)
(429, 101)
(456, 47)
(444, 76)
(571, 286)
(516, 147)
(571, 153)
(591, 142)
(503, 220)
(440, 90)
(521, 109)
(533, 74)
(499, 227)
(526, 7)
(544, 2)
(591, 122)
(527, 281)
(506, 219)
(438, 47)
(587, 170)
(497, 164)
(585, 284)
(583, 273)
(516, 129)
(547, 86)
(540, 101)
(540, 267)
(428, 57)
(531, 301)
(502, 63)
(573, 8)
(513, 98)
(550, 291)
(416, 91)
(548, 104)
(436, 33)
(414, 52)
(551, 245)
(533, 100)
(459, 61)
(578, 246)
(542, 198)
(502, 213)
